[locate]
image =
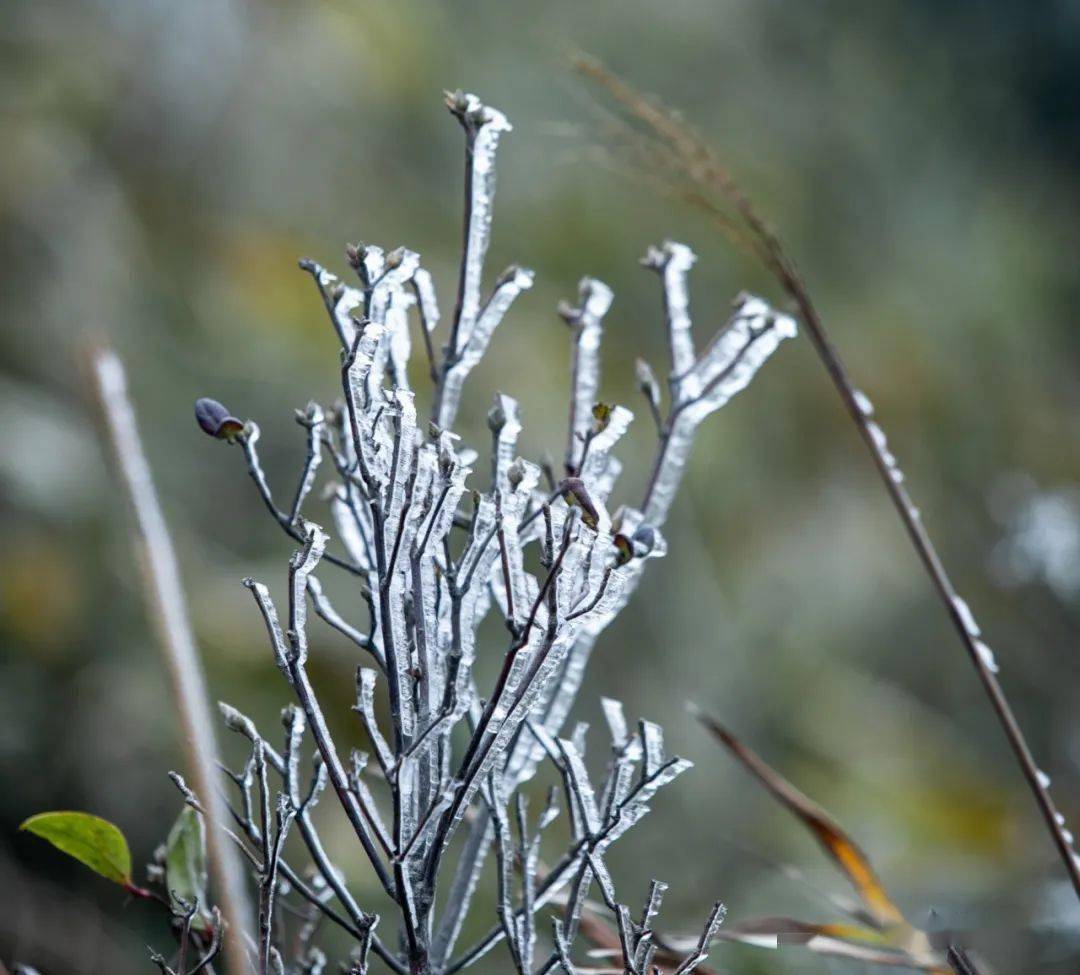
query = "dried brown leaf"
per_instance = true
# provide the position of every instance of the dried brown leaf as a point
(841, 847)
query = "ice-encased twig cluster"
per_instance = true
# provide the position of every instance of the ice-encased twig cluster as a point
(434, 548)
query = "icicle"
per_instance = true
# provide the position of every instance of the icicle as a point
(724, 369)
(733, 358)
(365, 706)
(388, 306)
(616, 721)
(505, 422)
(400, 348)
(358, 365)
(586, 320)
(483, 126)
(347, 299)
(353, 526)
(986, 655)
(673, 262)
(966, 617)
(513, 281)
(300, 567)
(424, 289)
(652, 740)
(601, 469)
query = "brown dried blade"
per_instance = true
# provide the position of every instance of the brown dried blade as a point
(840, 847)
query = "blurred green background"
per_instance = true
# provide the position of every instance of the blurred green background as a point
(165, 164)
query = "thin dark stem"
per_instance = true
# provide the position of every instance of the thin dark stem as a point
(930, 559)
(594, 602)
(699, 164)
(304, 890)
(338, 779)
(480, 743)
(667, 430)
(290, 529)
(959, 961)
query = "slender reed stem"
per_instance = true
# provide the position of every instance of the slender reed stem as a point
(165, 597)
(694, 161)
(928, 554)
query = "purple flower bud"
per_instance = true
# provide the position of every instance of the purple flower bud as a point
(573, 491)
(215, 420)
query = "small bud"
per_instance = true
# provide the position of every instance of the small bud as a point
(309, 415)
(354, 254)
(289, 715)
(395, 257)
(496, 417)
(515, 474)
(573, 490)
(446, 459)
(457, 102)
(646, 380)
(214, 420)
(601, 416)
(624, 549)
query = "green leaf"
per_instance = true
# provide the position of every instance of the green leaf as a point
(185, 859)
(91, 840)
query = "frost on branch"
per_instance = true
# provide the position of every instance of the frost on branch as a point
(431, 547)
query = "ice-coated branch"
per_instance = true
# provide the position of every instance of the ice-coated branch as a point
(595, 826)
(458, 364)
(294, 665)
(429, 555)
(725, 367)
(672, 261)
(483, 127)
(472, 326)
(328, 881)
(273, 843)
(586, 324)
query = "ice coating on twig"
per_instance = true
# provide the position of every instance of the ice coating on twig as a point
(431, 551)
(725, 367)
(513, 281)
(483, 127)
(586, 323)
(672, 261)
